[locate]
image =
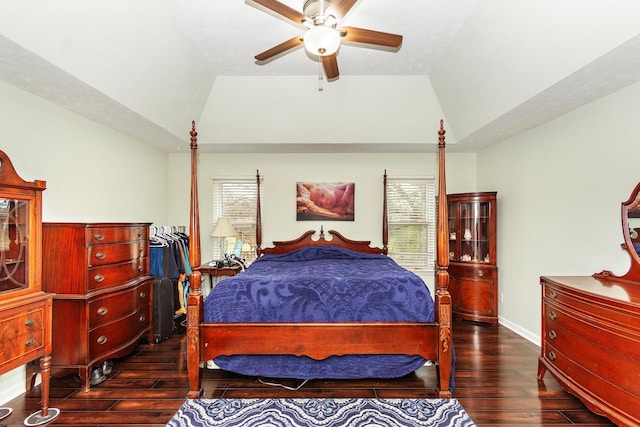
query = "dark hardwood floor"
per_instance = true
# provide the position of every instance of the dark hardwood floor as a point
(495, 378)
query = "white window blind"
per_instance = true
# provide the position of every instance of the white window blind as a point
(236, 199)
(411, 219)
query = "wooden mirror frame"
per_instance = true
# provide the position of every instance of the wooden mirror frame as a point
(633, 275)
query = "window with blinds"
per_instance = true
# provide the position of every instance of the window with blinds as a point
(236, 199)
(411, 219)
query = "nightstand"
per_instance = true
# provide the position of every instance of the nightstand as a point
(217, 272)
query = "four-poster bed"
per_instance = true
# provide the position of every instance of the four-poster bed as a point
(322, 340)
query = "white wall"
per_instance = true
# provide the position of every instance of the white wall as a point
(92, 173)
(560, 187)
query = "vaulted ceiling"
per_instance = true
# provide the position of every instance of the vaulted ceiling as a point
(490, 69)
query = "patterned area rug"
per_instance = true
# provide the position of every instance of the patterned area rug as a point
(321, 412)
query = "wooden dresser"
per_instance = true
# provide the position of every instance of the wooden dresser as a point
(591, 343)
(25, 310)
(100, 275)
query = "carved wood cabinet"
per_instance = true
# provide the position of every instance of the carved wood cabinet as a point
(102, 307)
(473, 270)
(25, 310)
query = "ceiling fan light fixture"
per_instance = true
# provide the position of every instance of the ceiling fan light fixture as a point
(321, 40)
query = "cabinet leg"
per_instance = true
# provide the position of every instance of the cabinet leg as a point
(45, 414)
(84, 379)
(542, 369)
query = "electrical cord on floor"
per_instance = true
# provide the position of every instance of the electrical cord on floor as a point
(275, 384)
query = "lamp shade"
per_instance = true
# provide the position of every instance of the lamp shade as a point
(321, 40)
(223, 228)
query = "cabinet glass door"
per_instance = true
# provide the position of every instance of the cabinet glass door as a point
(474, 232)
(14, 244)
(453, 231)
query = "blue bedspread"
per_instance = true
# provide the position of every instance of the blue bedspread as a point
(321, 284)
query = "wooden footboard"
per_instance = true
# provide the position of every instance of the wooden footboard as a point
(432, 341)
(319, 340)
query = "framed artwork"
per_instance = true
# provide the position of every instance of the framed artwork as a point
(325, 201)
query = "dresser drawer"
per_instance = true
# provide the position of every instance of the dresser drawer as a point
(111, 336)
(105, 235)
(590, 384)
(21, 334)
(115, 253)
(597, 347)
(596, 309)
(108, 275)
(109, 308)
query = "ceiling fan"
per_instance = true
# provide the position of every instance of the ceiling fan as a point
(322, 37)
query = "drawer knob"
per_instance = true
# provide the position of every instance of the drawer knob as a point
(142, 319)
(101, 339)
(29, 322)
(30, 342)
(552, 355)
(102, 311)
(143, 294)
(99, 237)
(480, 273)
(98, 278)
(101, 255)
(552, 315)
(552, 334)
(553, 295)
(140, 268)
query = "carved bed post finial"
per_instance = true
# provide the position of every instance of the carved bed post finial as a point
(194, 135)
(258, 217)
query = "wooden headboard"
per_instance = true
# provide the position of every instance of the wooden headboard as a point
(306, 239)
(338, 239)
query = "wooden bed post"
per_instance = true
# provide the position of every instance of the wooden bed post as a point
(443, 298)
(194, 300)
(258, 217)
(385, 221)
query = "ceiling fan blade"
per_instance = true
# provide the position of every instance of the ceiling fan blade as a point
(361, 35)
(339, 8)
(281, 48)
(330, 65)
(283, 9)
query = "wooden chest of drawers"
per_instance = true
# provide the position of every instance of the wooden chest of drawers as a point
(591, 343)
(100, 275)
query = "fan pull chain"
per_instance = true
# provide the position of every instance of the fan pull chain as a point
(320, 77)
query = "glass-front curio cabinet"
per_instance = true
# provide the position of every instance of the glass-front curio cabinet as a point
(25, 310)
(473, 271)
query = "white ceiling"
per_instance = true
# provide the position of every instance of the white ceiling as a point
(148, 67)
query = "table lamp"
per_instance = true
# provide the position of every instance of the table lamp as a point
(223, 229)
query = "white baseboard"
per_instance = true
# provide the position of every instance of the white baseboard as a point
(535, 339)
